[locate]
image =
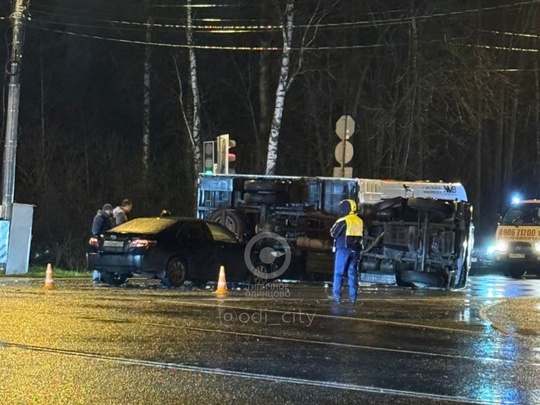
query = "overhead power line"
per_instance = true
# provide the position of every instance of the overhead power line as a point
(262, 48)
(513, 34)
(227, 48)
(194, 5)
(502, 48)
(361, 23)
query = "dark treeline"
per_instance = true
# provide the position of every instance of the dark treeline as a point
(439, 90)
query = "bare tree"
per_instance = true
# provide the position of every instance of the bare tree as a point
(195, 124)
(286, 76)
(537, 121)
(283, 83)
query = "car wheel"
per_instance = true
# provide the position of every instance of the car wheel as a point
(263, 269)
(176, 271)
(231, 219)
(422, 279)
(263, 185)
(114, 279)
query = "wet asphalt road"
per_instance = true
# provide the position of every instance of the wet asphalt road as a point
(141, 344)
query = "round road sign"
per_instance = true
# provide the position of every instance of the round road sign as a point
(344, 156)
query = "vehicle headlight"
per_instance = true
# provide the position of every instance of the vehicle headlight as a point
(502, 246)
(491, 249)
(537, 247)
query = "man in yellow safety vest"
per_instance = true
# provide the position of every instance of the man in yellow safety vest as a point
(347, 233)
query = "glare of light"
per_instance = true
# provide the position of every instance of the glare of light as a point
(491, 249)
(502, 246)
(516, 199)
(537, 247)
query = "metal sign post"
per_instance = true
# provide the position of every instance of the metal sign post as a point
(344, 150)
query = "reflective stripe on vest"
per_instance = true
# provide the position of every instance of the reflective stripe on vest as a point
(355, 226)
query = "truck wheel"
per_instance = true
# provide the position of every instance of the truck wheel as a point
(425, 204)
(264, 185)
(262, 198)
(422, 279)
(231, 219)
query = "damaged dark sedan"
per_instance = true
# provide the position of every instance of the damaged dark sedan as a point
(172, 249)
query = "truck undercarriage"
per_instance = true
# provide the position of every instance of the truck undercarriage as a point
(408, 240)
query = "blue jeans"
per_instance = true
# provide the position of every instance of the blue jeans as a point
(346, 262)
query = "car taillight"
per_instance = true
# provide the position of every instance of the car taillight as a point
(143, 243)
(94, 242)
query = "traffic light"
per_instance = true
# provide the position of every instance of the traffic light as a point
(226, 159)
(208, 157)
(231, 157)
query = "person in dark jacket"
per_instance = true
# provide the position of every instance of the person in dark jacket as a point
(120, 212)
(347, 233)
(103, 221)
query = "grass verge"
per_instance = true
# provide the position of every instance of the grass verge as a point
(57, 273)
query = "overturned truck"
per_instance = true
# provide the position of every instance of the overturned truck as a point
(415, 233)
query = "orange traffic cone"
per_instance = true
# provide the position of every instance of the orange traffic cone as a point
(49, 282)
(222, 283)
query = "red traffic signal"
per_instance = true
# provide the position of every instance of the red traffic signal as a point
(226, 158)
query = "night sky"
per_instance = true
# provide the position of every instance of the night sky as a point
(440, 90)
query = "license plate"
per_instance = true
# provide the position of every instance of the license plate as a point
(113, 243)
(516, 255)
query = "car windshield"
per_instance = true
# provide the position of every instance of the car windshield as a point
(144, 225)
(522, 214)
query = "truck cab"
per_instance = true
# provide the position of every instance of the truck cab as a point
(518, 239)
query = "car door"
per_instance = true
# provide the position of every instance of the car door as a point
(231, 251)
(198, 248)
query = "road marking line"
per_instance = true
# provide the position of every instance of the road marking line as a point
(483, 315)
(349, 345)
(247, 375)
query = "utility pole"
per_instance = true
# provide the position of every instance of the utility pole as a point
(147, 87)
(12, 120)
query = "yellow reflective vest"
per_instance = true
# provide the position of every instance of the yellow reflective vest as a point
(355, 225)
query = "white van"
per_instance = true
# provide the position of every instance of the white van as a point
(518, 239)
